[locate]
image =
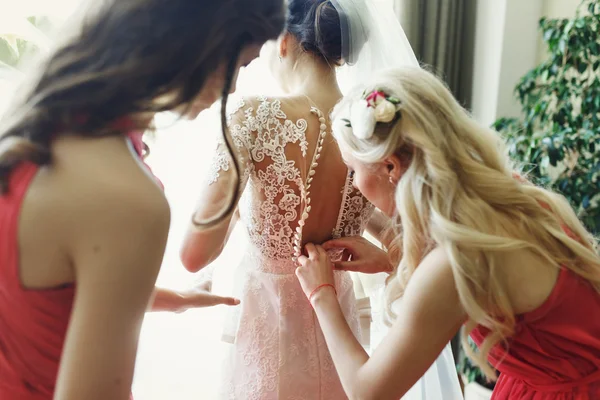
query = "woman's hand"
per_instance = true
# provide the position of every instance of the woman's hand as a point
(314, 270)
(198, 296)
(365, 256)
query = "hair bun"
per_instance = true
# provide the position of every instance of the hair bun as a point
(316, 26)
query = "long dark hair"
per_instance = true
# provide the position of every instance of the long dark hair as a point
(129, 58)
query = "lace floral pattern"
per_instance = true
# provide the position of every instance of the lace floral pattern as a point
(264, 134)
(279, 350)
(220, 163)
(354, 213)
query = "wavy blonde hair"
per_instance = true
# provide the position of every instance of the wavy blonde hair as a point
(460, 193)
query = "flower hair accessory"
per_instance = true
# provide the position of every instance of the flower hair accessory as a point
(372, 108)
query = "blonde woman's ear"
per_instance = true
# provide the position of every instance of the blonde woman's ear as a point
(395, 168)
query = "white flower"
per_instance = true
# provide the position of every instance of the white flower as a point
(385, 111)
(362, 119)
(340, 125)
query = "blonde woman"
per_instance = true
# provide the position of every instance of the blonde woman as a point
(480, 247)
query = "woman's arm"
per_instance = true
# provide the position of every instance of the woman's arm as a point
(430, 314)
(202, 246)
(116, 254)
(379, 227)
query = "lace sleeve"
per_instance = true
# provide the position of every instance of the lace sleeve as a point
(219, 163)
(221, 179)
(222, 163)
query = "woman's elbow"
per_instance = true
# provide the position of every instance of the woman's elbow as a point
(195, 257)
(356, 391)
(358, 395)
(361, 395)
(366, 391)
(192, 259)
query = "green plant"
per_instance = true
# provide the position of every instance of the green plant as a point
(20, 38)
(558, 138)
(470, 372)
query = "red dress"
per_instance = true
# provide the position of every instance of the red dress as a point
(33, 322)
(555, 353)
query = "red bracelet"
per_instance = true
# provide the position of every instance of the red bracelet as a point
(320, 287)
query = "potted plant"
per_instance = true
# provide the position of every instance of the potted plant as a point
(557, 140)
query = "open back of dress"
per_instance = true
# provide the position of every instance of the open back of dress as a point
(295, 190)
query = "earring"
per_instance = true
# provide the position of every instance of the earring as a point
(391, 181)
(280, 59)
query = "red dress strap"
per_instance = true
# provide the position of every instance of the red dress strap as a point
(137, 141)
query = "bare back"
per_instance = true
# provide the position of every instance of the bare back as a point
(65, 200)
(327, 188)
(89, 241)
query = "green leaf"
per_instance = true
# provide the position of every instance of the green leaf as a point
(8, 53)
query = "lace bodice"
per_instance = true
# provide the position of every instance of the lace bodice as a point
(276, 191)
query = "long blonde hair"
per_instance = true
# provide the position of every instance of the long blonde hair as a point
(459, 193)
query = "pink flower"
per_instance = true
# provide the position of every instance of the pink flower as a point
(375, 98)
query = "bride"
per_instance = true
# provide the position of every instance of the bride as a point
(288, 185)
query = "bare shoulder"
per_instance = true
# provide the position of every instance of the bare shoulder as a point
(104, 187)
(432, 292)
(297, 107)
(281, 107)
(521, 268)
(434, 274)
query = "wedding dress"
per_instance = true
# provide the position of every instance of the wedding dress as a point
(278, 350)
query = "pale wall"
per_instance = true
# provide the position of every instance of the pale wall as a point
(560, 8)
(489, 40)
(555, 9)
(505, 48)
(507, 45)
(519, 51)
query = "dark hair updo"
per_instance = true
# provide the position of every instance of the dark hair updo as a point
(316, 26)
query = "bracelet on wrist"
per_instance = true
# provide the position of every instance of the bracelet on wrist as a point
(315, 290)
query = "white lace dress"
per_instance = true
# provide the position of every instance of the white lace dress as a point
(278, 350)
